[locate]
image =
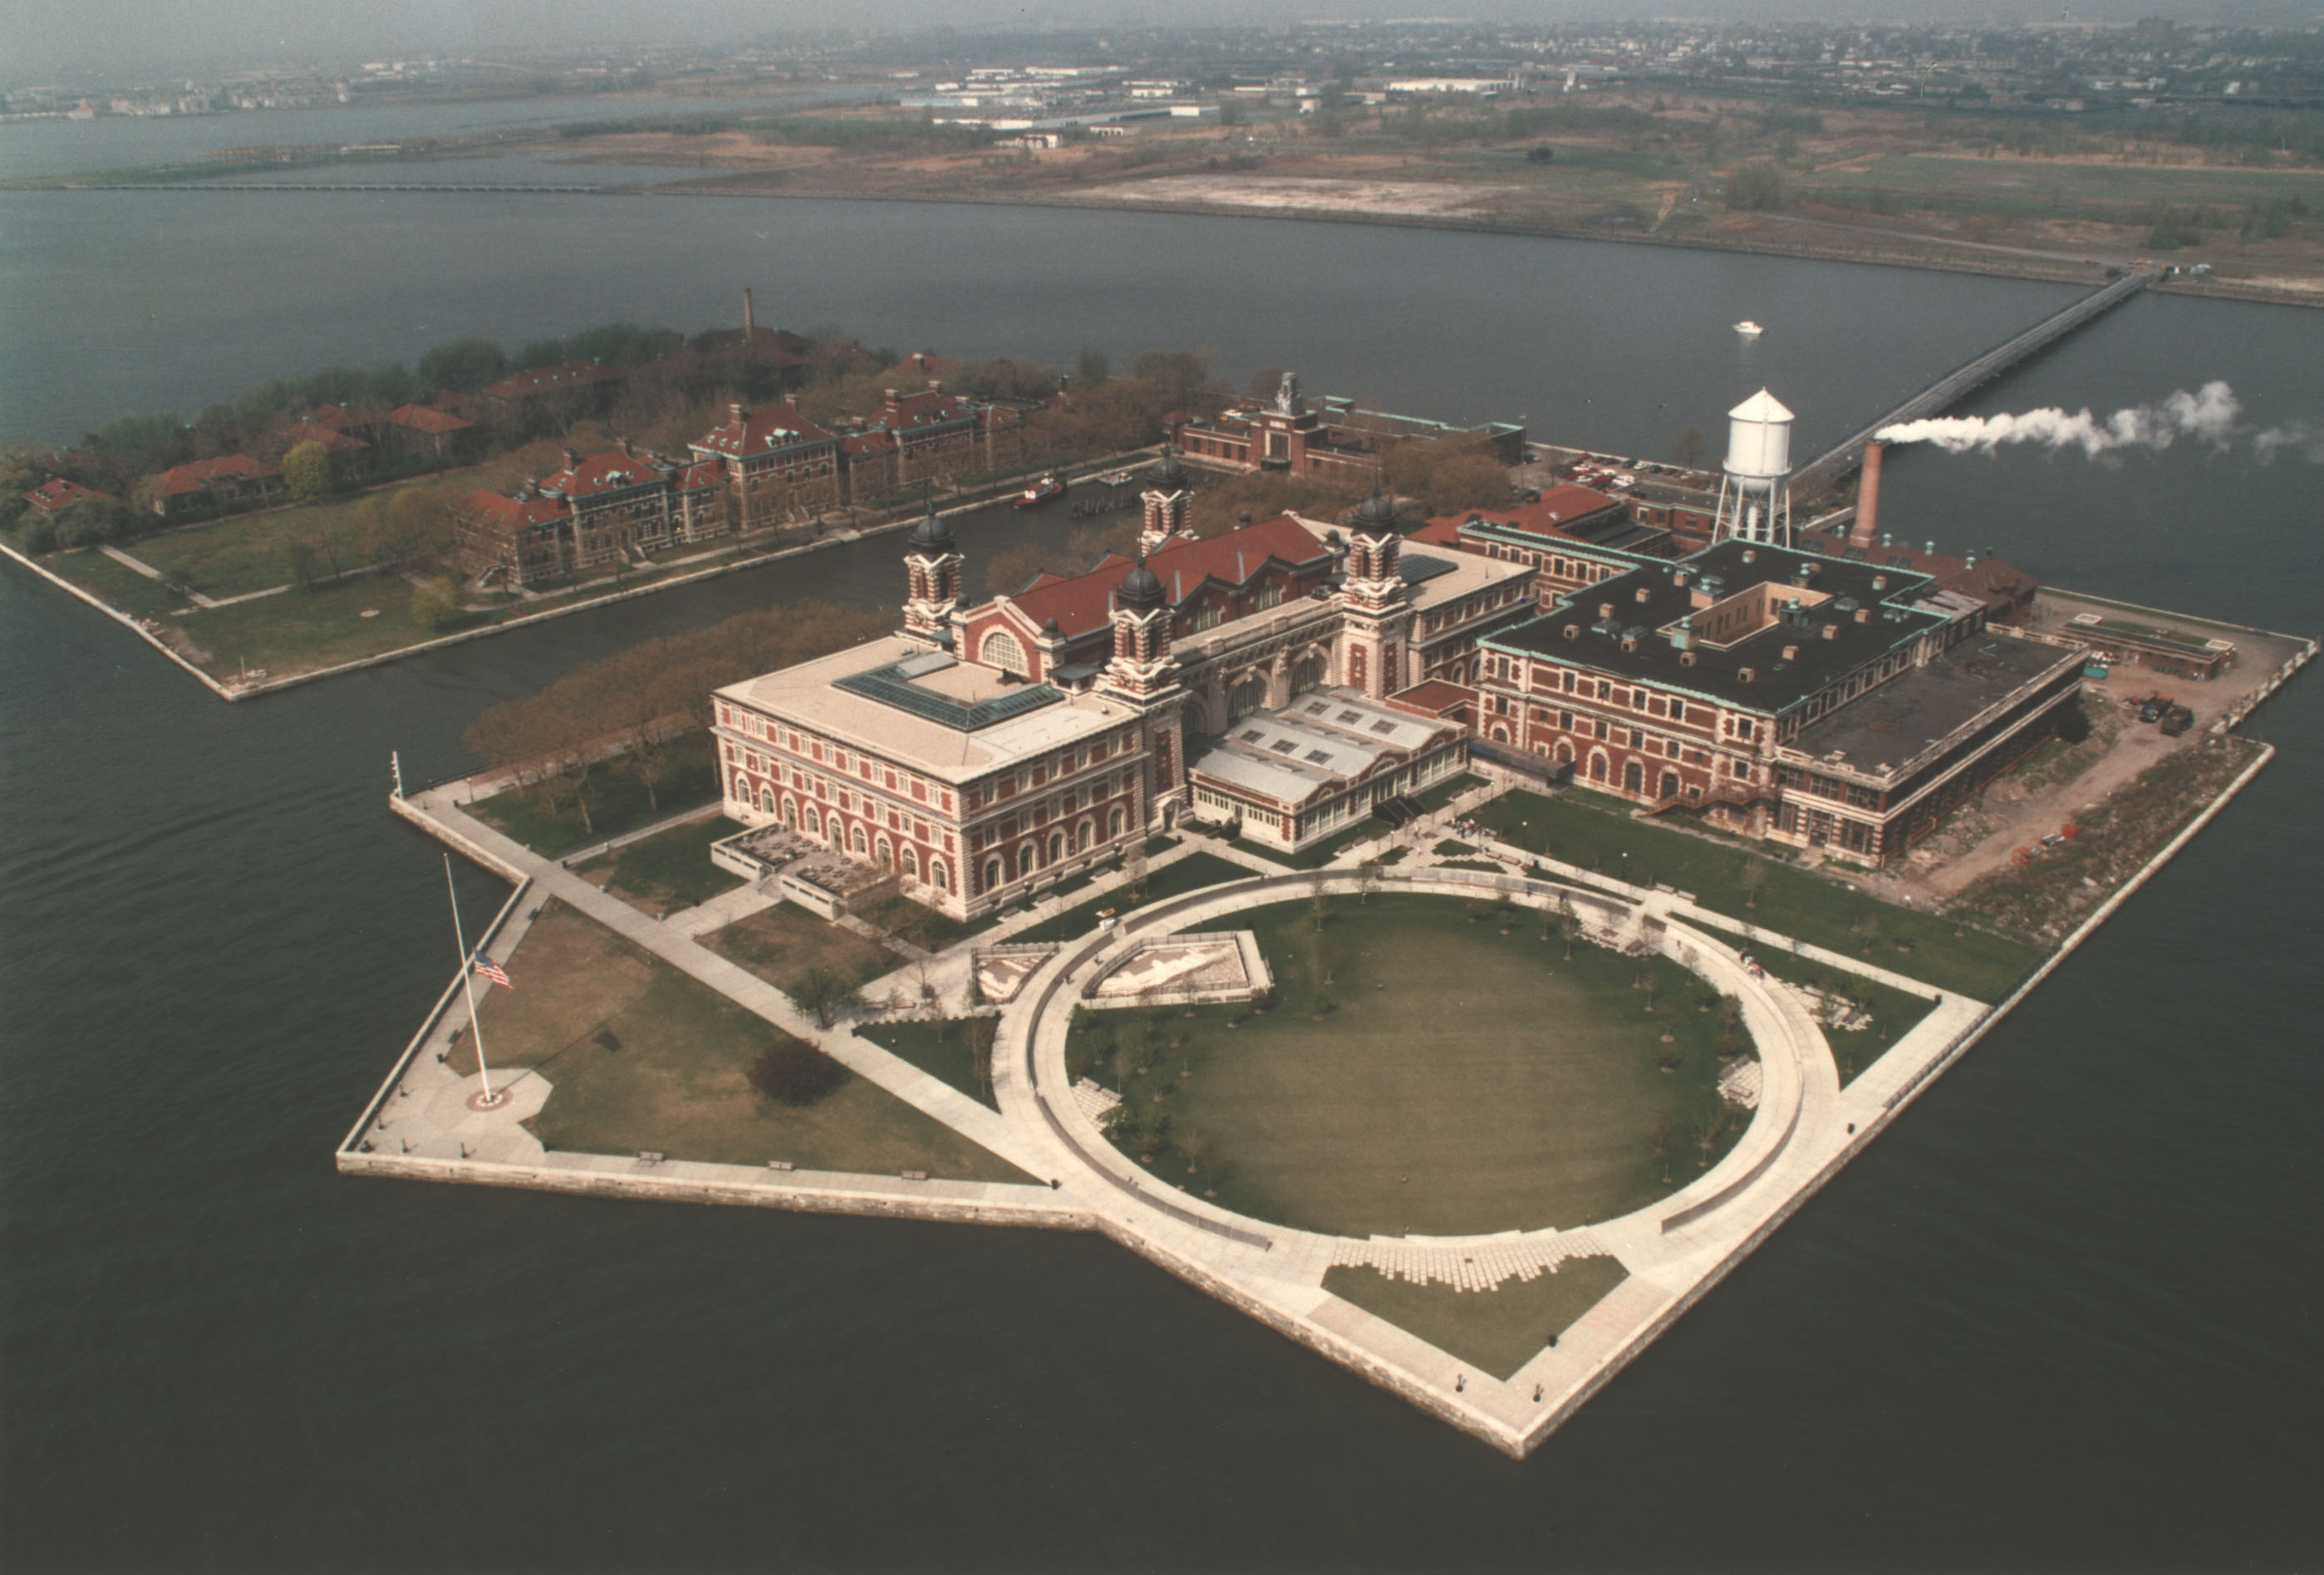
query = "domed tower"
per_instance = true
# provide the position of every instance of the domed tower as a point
(1166, 498)
(933, 562)
(1755, 496)
(1143, 673)
(1375, 631)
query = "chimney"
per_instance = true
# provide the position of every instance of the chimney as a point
(749, 323)
(738, 414)
(888, 398)
(572, 460)
(935, 385)
(1867, 496)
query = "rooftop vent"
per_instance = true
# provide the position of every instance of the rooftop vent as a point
(1686, 657)
(1605, 609)
(1750, 555)
(1791, 653)
(1879, 582)
(1574, 631)
(1831, 632)
(1744, 675)
(1644, 593)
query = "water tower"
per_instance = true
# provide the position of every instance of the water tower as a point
(1755, 498)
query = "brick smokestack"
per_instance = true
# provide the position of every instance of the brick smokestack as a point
(1867, 497)
(750, 324)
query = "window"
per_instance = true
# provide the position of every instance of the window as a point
(1245, 698)
(991, 874)
(1001, 650)
(1206, 616)
(1308, 674)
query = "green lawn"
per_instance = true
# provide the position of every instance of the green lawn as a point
(940, 1049)
(616, 799)
(923, 926)
(668, 871)
(1796, 902)
(117, 583)
(1499, 1331)
(643, 1058)
(1320, 854)
(299, 631)
(782, 943)
(1446, 791)
(1191, 873)
(1423, 1073)
(1894, 1012)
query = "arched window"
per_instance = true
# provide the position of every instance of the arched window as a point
(1001, 650)
(1084, 836)
(1500, 734)
(886, 854)
(1308, 674)
(741, 787)
(814, 822)
(1565, 752)
(859, 844)
(767, 799)
(1597, 765)
(1056, 846)
(991, 874)
(1634, 777)
(1113, 825)
(938, 877)
(1025, 857)
(1244, 698)
(911, 863)
(1670, 785)
(790, 811)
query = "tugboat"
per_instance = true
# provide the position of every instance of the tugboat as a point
(1040, 491)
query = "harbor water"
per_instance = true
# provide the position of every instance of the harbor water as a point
(2063, 1314)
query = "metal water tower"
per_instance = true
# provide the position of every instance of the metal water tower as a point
(1755, 497)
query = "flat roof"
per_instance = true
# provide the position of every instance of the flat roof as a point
(938, 722)
(1776, 684)
(1895, 723)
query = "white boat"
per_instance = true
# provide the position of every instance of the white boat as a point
(1750, 329)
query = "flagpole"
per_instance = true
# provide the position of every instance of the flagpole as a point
(468, 979)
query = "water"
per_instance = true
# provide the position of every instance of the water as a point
(2063, 1314)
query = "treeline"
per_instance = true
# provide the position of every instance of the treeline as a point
(634, 708)
(892, 133)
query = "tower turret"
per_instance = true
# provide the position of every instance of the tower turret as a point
(1166, 498)
(1375, 634)
(932, 564)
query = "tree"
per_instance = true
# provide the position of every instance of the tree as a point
(1090, 367)
(463, 365)
(1687, 449)
(301, 553)
(982, 1032)
(306, 472)
(1568, 923)
(792, 1071)
(1755, 187)
(1446, 474)
(1754, 876)
(435, 605)
(824, 993)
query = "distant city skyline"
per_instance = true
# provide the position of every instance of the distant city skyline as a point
(48, 41)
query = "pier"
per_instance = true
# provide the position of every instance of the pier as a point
(1827, 468)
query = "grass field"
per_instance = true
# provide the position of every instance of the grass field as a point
(1459, 1078)
(1950, 955)
(115, 582)
(1191, 873)
(782, 943)
(1499, 1331)
(940, 1049)
(642, 1057)
(2054, 188)
(668, 871)
(298, 630)
(617, 802)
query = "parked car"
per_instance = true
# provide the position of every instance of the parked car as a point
(2153, 710)
(2177, 720)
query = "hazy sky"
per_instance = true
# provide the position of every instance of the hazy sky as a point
(45, 40)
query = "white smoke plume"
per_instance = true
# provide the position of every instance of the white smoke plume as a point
(2208, 415)
(2305, 439)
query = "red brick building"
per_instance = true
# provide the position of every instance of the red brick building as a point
(220, 486)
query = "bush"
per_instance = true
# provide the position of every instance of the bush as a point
(1755, 187)
(2073, 724)
(792, 1071)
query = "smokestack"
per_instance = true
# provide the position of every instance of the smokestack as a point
(1867, 496)
(750, 324)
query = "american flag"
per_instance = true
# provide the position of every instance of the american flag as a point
(488, 969)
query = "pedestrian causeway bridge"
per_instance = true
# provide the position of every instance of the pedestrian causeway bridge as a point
(1827, 468)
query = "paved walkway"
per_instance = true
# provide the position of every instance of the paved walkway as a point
(1806, 1127)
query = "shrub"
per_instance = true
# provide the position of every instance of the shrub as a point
(1755, 187)
(792, 1071)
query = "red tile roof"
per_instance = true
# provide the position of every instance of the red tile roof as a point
(557, 377)
(57, 492)
(915, 411)
(611, 471)
(1085, 601)
(1559, 507)
(181, 479)
(426, 418)
(701, 476)
(331, 439)
(517, 511)
(775, 426)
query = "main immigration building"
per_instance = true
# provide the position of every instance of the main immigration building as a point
(1292, 676)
